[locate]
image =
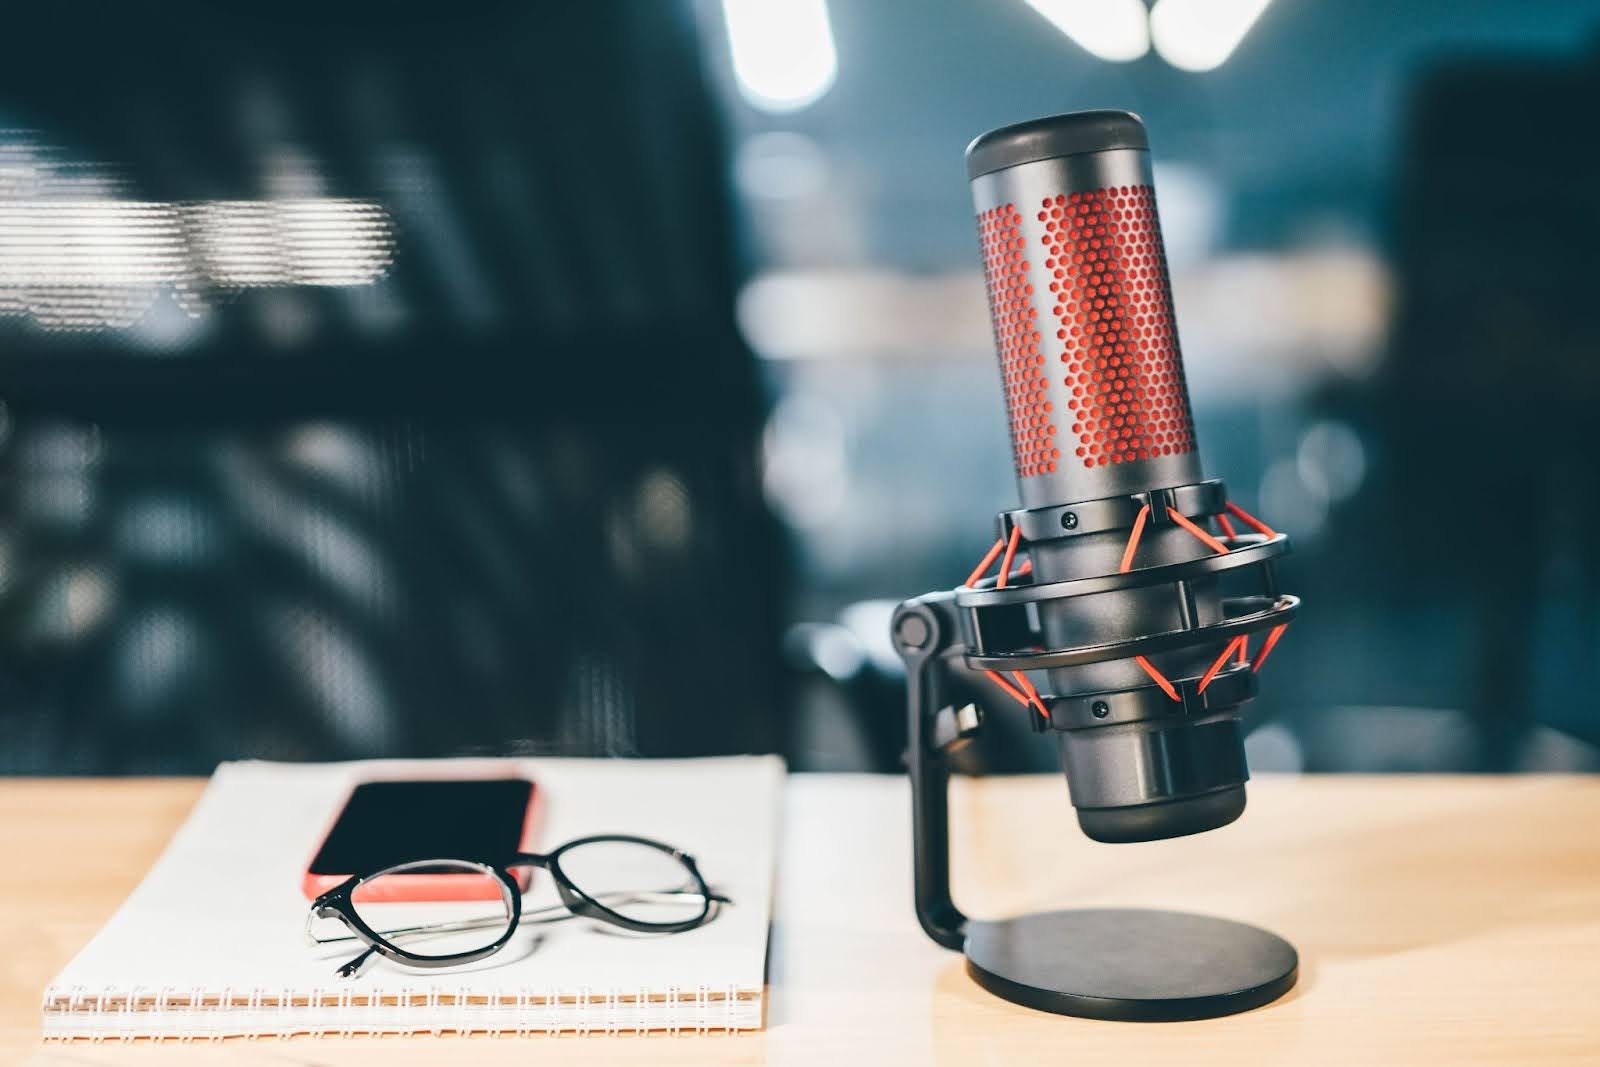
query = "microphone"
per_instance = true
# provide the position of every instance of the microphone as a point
(1123, 585)
(1124, 602)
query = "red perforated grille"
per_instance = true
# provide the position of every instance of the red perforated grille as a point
(1017, 340)
(1113, 308)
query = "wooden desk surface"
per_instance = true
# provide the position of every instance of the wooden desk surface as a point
(1439, 920)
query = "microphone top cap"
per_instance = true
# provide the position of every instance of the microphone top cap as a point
(1072, 134)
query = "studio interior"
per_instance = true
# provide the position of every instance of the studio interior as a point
(771, 530)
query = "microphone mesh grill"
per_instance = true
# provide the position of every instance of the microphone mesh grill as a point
(1112, 304)
(1018, 342)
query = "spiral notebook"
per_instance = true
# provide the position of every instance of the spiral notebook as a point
(210, 944)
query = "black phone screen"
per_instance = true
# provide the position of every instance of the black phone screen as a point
(385, 823)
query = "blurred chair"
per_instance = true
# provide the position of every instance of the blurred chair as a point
(506, 499)
(1487, 398)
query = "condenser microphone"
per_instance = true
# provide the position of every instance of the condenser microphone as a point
(1121, 606)
(1099, 413)
(1126, 615)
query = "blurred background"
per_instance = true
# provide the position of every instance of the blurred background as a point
(594, 378)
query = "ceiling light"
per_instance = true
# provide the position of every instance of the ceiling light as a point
(1115, 30)
(1200, 35)
(783, 53)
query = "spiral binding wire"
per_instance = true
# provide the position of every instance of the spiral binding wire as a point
(79, 1013)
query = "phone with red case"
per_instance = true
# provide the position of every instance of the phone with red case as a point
(384, 823)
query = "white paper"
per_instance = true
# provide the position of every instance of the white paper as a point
(211, 941)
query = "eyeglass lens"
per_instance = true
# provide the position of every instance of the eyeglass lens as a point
(638, 882)
(470, 907)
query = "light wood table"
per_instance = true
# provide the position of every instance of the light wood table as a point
(1439, 920)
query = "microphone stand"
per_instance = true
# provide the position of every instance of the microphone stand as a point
(1125, 964)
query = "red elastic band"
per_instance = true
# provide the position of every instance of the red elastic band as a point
(1133, 541)
(1250, 520)
(1271, 643)
(1159, 678)
(983, 565)
(1008, 687)
(1205, 679)
(1027, 696)
(1206, 539)
(1033, 694)
(1005, 564)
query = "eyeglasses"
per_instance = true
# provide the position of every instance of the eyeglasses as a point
(634, 883)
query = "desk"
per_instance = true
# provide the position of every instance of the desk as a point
(1439, 920)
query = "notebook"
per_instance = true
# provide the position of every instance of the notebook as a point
(211, 942)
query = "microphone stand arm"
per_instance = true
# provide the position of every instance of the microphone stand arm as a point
(926, 634)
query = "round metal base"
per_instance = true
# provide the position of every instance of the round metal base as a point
(1130, 965)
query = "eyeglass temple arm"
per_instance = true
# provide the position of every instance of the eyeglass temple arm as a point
(499, 920)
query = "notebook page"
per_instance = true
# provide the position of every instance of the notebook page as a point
(211, 941)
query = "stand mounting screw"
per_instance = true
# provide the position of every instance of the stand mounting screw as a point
(1100, 709)
(1069, 520)
(912, 632)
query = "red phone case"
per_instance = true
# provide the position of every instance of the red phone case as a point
(414, 887)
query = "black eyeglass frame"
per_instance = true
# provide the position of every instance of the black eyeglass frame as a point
(338, 902)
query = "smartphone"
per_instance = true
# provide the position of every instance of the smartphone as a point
(389, 822)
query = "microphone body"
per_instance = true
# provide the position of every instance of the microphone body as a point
(1122, 615)
(1101, 425)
